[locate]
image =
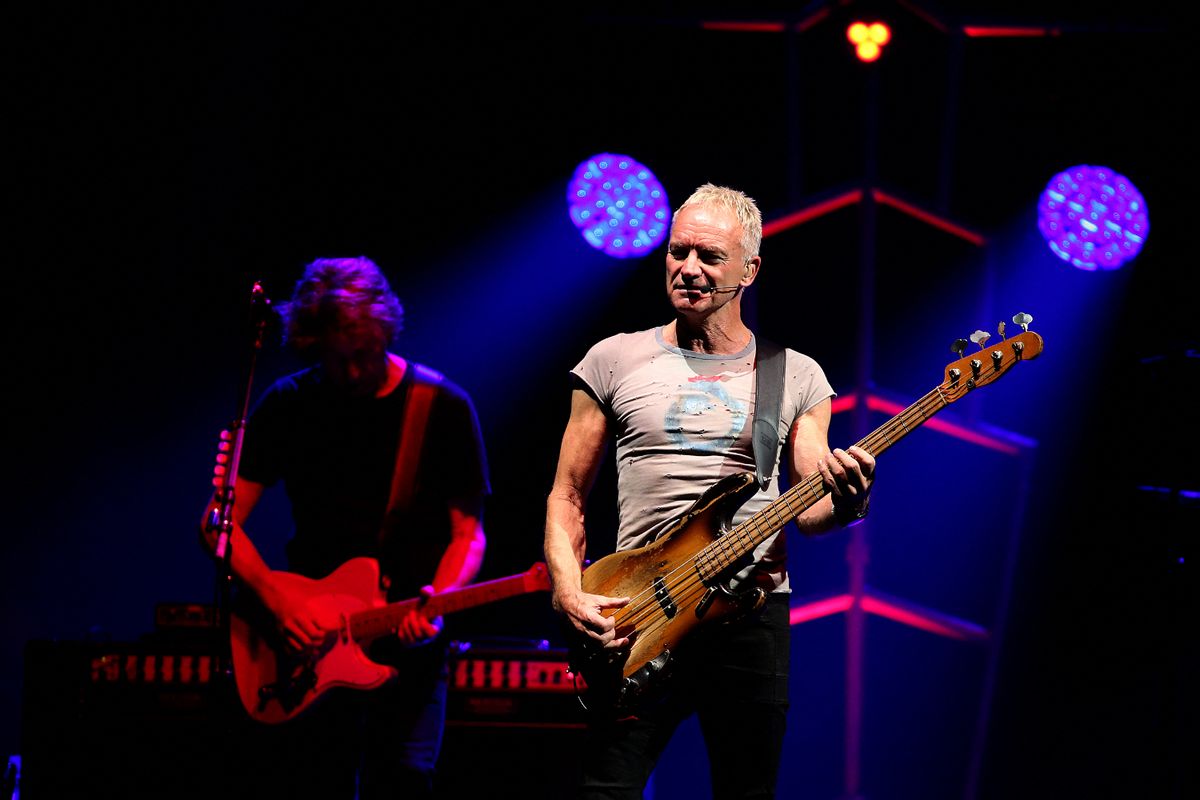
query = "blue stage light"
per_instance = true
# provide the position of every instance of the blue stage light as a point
(618, 205)
(1093, 218)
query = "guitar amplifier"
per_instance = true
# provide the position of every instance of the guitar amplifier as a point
(512, 686)
(128, 719)
(512, 720)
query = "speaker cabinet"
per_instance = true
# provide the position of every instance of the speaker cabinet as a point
(124, 720)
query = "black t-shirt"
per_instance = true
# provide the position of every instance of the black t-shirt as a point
(336, 455)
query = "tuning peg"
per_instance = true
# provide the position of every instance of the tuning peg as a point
(1023, 320)
(1000, 329)
(959, 347)
(980, 338)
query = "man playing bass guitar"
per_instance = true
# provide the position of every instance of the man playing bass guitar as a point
(680, 402)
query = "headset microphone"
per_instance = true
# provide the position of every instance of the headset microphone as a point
(707, 289)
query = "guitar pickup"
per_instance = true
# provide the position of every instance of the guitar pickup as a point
(664, 598)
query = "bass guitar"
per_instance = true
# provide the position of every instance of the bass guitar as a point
(275, 683)
(676, 583)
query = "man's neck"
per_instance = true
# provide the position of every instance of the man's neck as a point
(710, 335)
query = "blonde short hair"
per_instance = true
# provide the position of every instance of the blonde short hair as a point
(739, 203)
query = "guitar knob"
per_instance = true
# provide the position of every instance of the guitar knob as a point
(1023, 320)
(959, 347)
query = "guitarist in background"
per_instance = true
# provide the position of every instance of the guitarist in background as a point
(679, 400)
(331, 435)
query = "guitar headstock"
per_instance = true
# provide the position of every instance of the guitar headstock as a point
(990, 362)
(537, 578)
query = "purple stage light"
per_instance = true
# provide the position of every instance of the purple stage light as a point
(1093, 218)
(618, 205)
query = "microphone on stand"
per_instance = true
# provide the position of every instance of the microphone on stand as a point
(260, 304)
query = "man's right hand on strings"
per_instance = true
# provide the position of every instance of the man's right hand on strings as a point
(303, 626)
(583, 611)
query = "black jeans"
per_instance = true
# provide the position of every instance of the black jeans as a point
(735, 679)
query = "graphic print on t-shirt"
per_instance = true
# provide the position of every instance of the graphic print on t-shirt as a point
(704, 416)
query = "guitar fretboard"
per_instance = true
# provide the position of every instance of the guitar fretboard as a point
(373, 623)
(744, 537)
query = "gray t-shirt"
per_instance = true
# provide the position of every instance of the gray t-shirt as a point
(683, 420)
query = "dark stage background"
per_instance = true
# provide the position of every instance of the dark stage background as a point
(165, 156)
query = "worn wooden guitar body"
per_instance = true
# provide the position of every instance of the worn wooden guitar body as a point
(671, 595)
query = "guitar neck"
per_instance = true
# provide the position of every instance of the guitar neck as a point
(747, 535)
(962, 376)
(373, 623)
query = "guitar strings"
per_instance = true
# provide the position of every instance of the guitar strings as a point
(681, 581)
(723, 552)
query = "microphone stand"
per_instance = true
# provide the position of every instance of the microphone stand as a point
(220, 518)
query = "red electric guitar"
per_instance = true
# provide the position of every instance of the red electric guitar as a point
(277, 684)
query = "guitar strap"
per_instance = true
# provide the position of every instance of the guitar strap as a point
(422, 387)
(770, 360)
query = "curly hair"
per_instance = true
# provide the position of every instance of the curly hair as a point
(341, 294)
